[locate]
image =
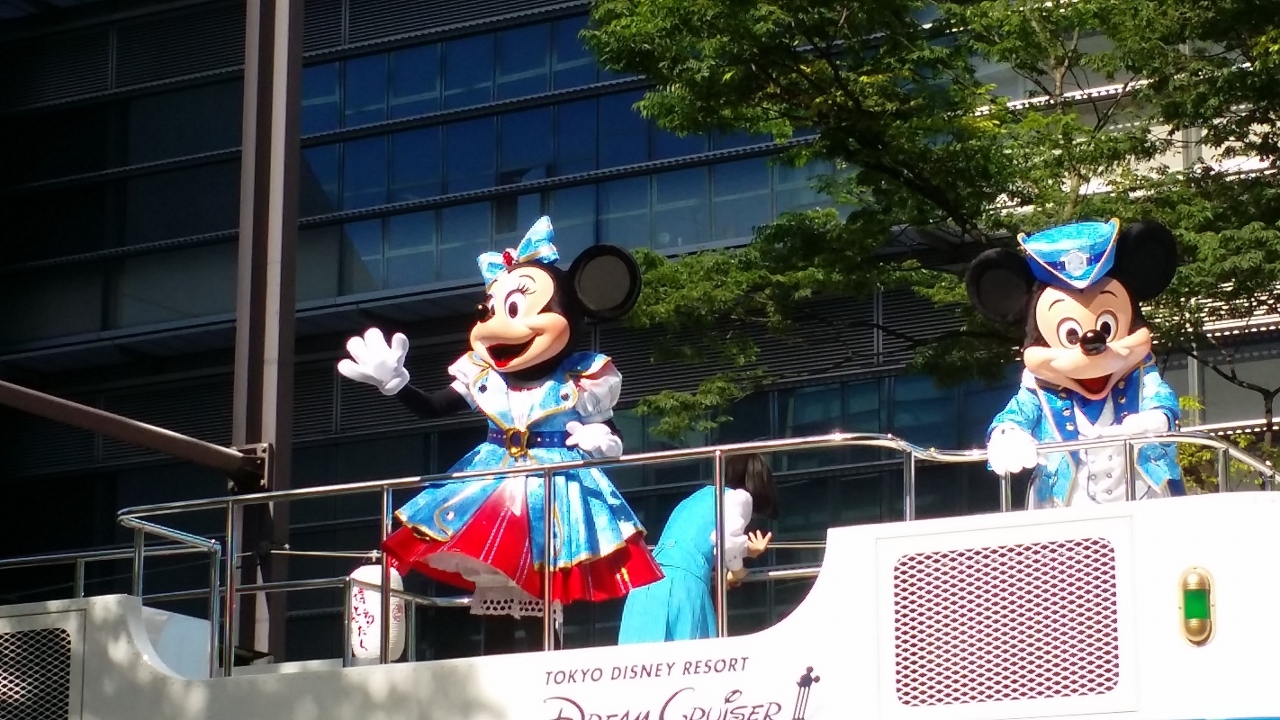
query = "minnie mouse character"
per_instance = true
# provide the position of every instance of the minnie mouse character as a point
(545, 404)
(1088, 371)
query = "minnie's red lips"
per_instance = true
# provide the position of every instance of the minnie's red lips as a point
(502, 355)
(1093, 386)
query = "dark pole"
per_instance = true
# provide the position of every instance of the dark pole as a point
(265, 297)
(241, 467)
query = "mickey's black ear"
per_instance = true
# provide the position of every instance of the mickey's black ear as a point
(606, 280)
(1146, 258)
(999, 284)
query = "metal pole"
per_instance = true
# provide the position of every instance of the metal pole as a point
(909, 486)
(139, 549)
(384, 653)
(549, 559)
(1006, 492)
(1224, 469)
(411, 631)
(230, 614)
(77, 582)
(215, 604)
(347, 588)
(128, 431)
(1131, 469)
(266, 298)
(722, 567)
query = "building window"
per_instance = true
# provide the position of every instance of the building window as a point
(318, 253)
(524, 61)
(185, 122)
(415, 81)
(681, 208)
(666, 145)
(320, 97)
(469, 155)
(623, 133)
(364, 173)
(415, 165)
(525, 146)
(576, 137)
(321, 172)
(361, 257)
(513, 216)
(410, 250)
(574, 212)
(574, 64)
(624, 212)
(178, 285)
(55, 302)
(465, 231)
(741, 199)
(795, 191)
(923, 413)
(468, 72)
(365, 84)
(182, 203)
(810, 411)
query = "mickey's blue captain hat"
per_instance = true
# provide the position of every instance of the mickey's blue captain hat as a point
(1072, 256)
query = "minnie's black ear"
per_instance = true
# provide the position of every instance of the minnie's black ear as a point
(606, 280)
(999, 284)
(1146, 259)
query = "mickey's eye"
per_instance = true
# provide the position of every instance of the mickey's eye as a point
(1069, 332)
(516, 301)
(1107, 324)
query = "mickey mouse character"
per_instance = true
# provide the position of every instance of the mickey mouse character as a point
(1089, 371)
(545, 404)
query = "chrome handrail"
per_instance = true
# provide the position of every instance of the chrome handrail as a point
(912, 455)
(131, 517)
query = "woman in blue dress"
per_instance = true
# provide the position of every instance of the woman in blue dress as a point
(679, 606)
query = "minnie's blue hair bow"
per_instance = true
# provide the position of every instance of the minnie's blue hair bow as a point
(536, 246)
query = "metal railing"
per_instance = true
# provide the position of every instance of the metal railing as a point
(912, 455)
(224, 601)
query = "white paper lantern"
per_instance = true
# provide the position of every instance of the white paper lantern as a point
(366, 614)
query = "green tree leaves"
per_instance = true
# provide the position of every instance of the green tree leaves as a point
(1138, 108)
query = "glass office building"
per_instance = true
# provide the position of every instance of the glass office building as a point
(431, 132)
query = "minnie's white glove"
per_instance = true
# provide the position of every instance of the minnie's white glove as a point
(376, 363)
(1011, 449)
(1141, 423)
(594, 439)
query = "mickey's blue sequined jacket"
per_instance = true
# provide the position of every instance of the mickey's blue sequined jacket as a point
(1048, 413)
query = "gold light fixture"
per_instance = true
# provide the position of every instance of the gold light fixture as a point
(1197, 606)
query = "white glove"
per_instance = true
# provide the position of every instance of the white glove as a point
(1141, 423)
(376, 363)
(1011, 449)
(594, 439)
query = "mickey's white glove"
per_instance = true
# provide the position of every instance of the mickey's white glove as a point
(1011, 449)
(376, 363)
(594, 439)
(1147, 421)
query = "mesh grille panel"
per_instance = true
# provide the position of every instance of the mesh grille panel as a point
(1016, 622)
(35, 675)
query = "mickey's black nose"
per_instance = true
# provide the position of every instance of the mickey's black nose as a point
(1093, 342)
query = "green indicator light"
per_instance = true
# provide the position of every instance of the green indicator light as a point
(1195, 604)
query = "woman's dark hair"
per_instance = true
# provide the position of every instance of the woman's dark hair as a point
(752, 473)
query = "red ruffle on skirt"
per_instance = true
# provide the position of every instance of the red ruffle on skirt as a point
(499, 537)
